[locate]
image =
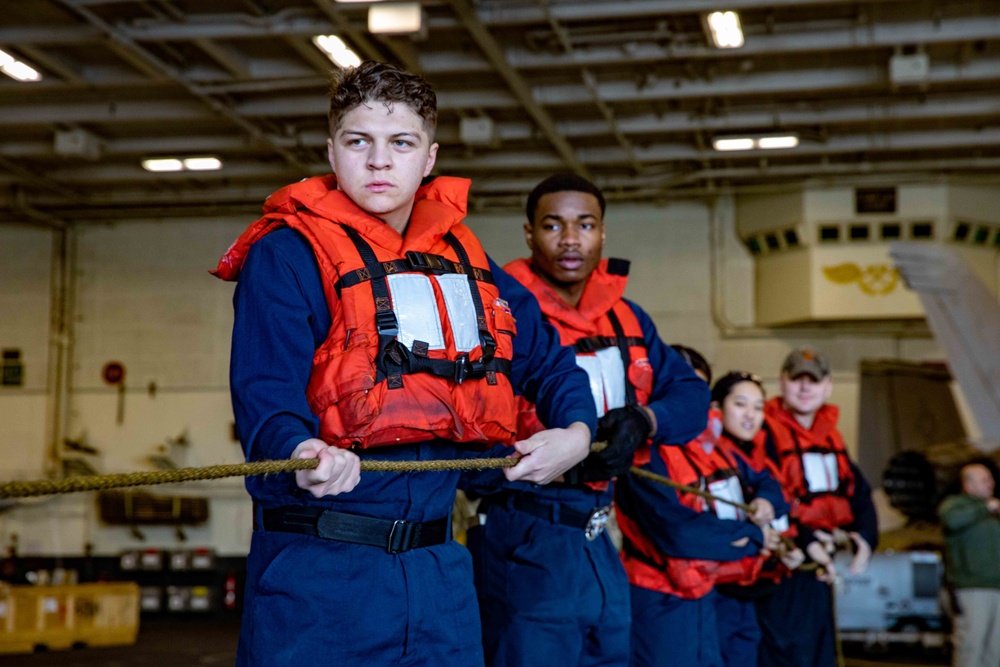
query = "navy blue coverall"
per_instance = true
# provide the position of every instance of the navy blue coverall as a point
(547, 595)
(668, 630)
(311, 601)
(796, 619)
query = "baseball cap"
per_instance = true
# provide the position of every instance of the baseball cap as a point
(806, 361)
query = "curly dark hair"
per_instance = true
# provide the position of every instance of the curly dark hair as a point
(386, 84)
(561, 183)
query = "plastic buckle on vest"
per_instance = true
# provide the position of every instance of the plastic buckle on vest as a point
(423, 261)
(462, 369)
(400, 536)
(386, 324)
(489, 346)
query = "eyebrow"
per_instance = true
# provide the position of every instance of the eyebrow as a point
(556, 216)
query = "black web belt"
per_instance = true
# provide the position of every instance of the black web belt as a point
(393, 536)
(552, 512)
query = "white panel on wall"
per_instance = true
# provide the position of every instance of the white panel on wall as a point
(145, 298)
(25, 300)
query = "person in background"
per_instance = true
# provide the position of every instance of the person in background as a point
(832, 505)
(739, 397)
(971, 523)
(369, 323)
(675, 542)
(551, 587)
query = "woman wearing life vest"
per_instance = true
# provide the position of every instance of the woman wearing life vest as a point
(739, 397)
(674, 542)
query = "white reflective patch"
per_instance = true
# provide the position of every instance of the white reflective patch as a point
(780, 525)
(613, 374)
(591, 364)
(416, 310)
(821, 471)
(728, 489)
(461, 309)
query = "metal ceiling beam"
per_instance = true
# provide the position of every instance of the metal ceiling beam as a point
(128, 45)
(784, 40)
(502, 14)
(958, 141)
(522, 92)
(253, 194)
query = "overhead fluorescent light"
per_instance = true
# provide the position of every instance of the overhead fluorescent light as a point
(335, 49)
(18, 70)
(782, 141)
(397, 18)
(200, 163)
(733, 143)
(765, 141)
(726, 30)
(163, 164)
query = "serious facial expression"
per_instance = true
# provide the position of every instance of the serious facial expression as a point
(804, 394)
(743, 410)
(380, 153)
(566, 237)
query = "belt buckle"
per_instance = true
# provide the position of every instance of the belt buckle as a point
(596, 523)
(399, 536)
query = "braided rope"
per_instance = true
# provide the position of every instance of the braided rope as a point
(46, 487)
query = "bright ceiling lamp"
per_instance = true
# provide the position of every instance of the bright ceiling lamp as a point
(732, 143)
(781, 141)
(200, 163)
(766, 142)
(18, 70)
(163, 164)
(397, 18)
(726, 30)
(335, 48)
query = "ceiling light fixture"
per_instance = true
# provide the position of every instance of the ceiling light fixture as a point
(726, 30)
(18, 70)
(766, 142)
(335, 49)
(397, 18)
(200, 163)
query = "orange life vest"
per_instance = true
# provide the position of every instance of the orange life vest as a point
(604, 332)
(421, 342)
(746, 571)
(815, 469)
(703, 465)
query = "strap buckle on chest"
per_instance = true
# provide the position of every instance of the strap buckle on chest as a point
(386, 323)
(422, 261)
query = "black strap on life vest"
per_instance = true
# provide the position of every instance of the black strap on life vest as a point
(423, 262)
(595, 343)
(393, 359)
(622, 340)
(486, 341)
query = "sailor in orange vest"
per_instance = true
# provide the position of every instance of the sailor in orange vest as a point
(551, 587)
(739, 397)
(677, 543)
(370, 322)
(832, 503)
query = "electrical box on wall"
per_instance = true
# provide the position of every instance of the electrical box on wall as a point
(821, 254)
(13, 368)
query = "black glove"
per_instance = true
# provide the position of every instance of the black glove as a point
(624, 429)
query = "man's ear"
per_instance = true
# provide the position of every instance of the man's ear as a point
(528, 238)
(431, 159)
(329, 154)
(827, 388)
